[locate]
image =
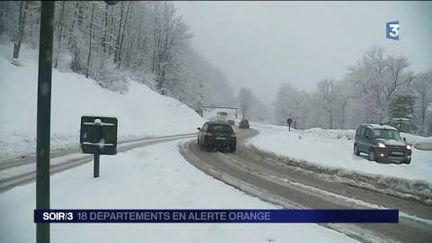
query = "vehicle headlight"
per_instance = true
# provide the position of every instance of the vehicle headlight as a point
(408, 146)
(381, 145)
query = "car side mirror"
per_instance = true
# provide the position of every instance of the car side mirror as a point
(199, 128)
(404, 138)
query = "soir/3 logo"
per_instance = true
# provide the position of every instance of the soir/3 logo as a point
(392, 30)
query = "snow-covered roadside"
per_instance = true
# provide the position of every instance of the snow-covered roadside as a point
(154, 177)
(334, 149)
(141, 112)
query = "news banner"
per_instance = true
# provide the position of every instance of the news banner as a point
(216, 216)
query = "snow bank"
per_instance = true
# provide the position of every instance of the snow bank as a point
(154, 177)
(334, 149)
(141, 112)
(416, 139)
(419, 142)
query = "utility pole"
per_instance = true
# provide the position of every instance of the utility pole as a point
(44, 117)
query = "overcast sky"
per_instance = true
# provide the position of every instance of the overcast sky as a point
(263, 44)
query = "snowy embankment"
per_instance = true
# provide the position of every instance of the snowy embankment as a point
(141, 112)
(154, 177)
(331, 152)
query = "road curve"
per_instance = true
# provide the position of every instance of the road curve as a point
(293, 187)
(21, 171)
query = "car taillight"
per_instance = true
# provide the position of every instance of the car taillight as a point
(207, 134)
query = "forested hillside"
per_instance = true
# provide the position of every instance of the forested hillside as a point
(146, 41)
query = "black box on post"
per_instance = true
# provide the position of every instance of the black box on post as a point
(98, 135)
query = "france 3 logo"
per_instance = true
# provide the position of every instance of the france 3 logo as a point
(392, 30)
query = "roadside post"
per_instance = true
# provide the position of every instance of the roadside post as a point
(98, 135)
(43, 120)
(289, 121)
(43, 116)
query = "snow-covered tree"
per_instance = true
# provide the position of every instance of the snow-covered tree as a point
(288, 104)
(329, 95)
(423, 91)
(19, 33)
(366, 94)
(379, 78)
(402, 107)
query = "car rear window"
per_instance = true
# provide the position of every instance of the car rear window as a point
(220, 128)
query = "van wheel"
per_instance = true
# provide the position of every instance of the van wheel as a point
(371, 155)
(356, 151)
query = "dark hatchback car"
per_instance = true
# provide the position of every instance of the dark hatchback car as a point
(381, 143)
(217, 136)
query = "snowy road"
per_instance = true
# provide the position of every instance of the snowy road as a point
(23, 170)
(294, 187)
(150, 177)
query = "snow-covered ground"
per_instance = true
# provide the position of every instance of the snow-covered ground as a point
(416, 139)
(154, 177)
(334, 149)
(141, 112)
